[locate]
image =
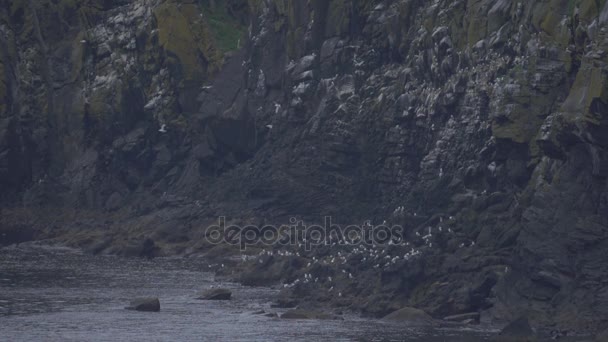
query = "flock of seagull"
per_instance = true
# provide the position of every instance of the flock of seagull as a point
(346, 258)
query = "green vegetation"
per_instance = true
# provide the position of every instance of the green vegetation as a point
(571, 4)
(226, 30)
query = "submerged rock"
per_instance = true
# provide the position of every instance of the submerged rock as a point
(144, 304)
(216, 294)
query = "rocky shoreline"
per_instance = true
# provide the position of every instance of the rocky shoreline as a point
(320, 300)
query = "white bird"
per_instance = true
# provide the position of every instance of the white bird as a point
(163, 128)
(83, 41)
(492, 167)
(269, 126)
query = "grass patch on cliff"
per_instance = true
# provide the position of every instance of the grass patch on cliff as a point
(227, 31)
(571, 4)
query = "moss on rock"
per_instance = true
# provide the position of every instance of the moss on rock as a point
(187, 39)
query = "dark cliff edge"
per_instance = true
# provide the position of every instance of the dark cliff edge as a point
(483, 121)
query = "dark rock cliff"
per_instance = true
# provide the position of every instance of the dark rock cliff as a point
(487, 118)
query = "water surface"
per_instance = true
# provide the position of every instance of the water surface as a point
(54, 294)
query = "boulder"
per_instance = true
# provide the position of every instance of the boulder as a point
(409, 315)
(144, 304)
(519, 330)
(216, 294)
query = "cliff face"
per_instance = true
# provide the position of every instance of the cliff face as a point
(86, 85)
(487, 117)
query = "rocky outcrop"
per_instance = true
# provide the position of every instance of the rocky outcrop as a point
(479, 125)
(409, 316)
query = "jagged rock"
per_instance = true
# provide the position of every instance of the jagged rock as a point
(144, 304)
(216, 294)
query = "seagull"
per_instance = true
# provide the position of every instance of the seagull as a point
(277, 108)
(83, 41)
(492, 168)
(163, 128)
(269, 126)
